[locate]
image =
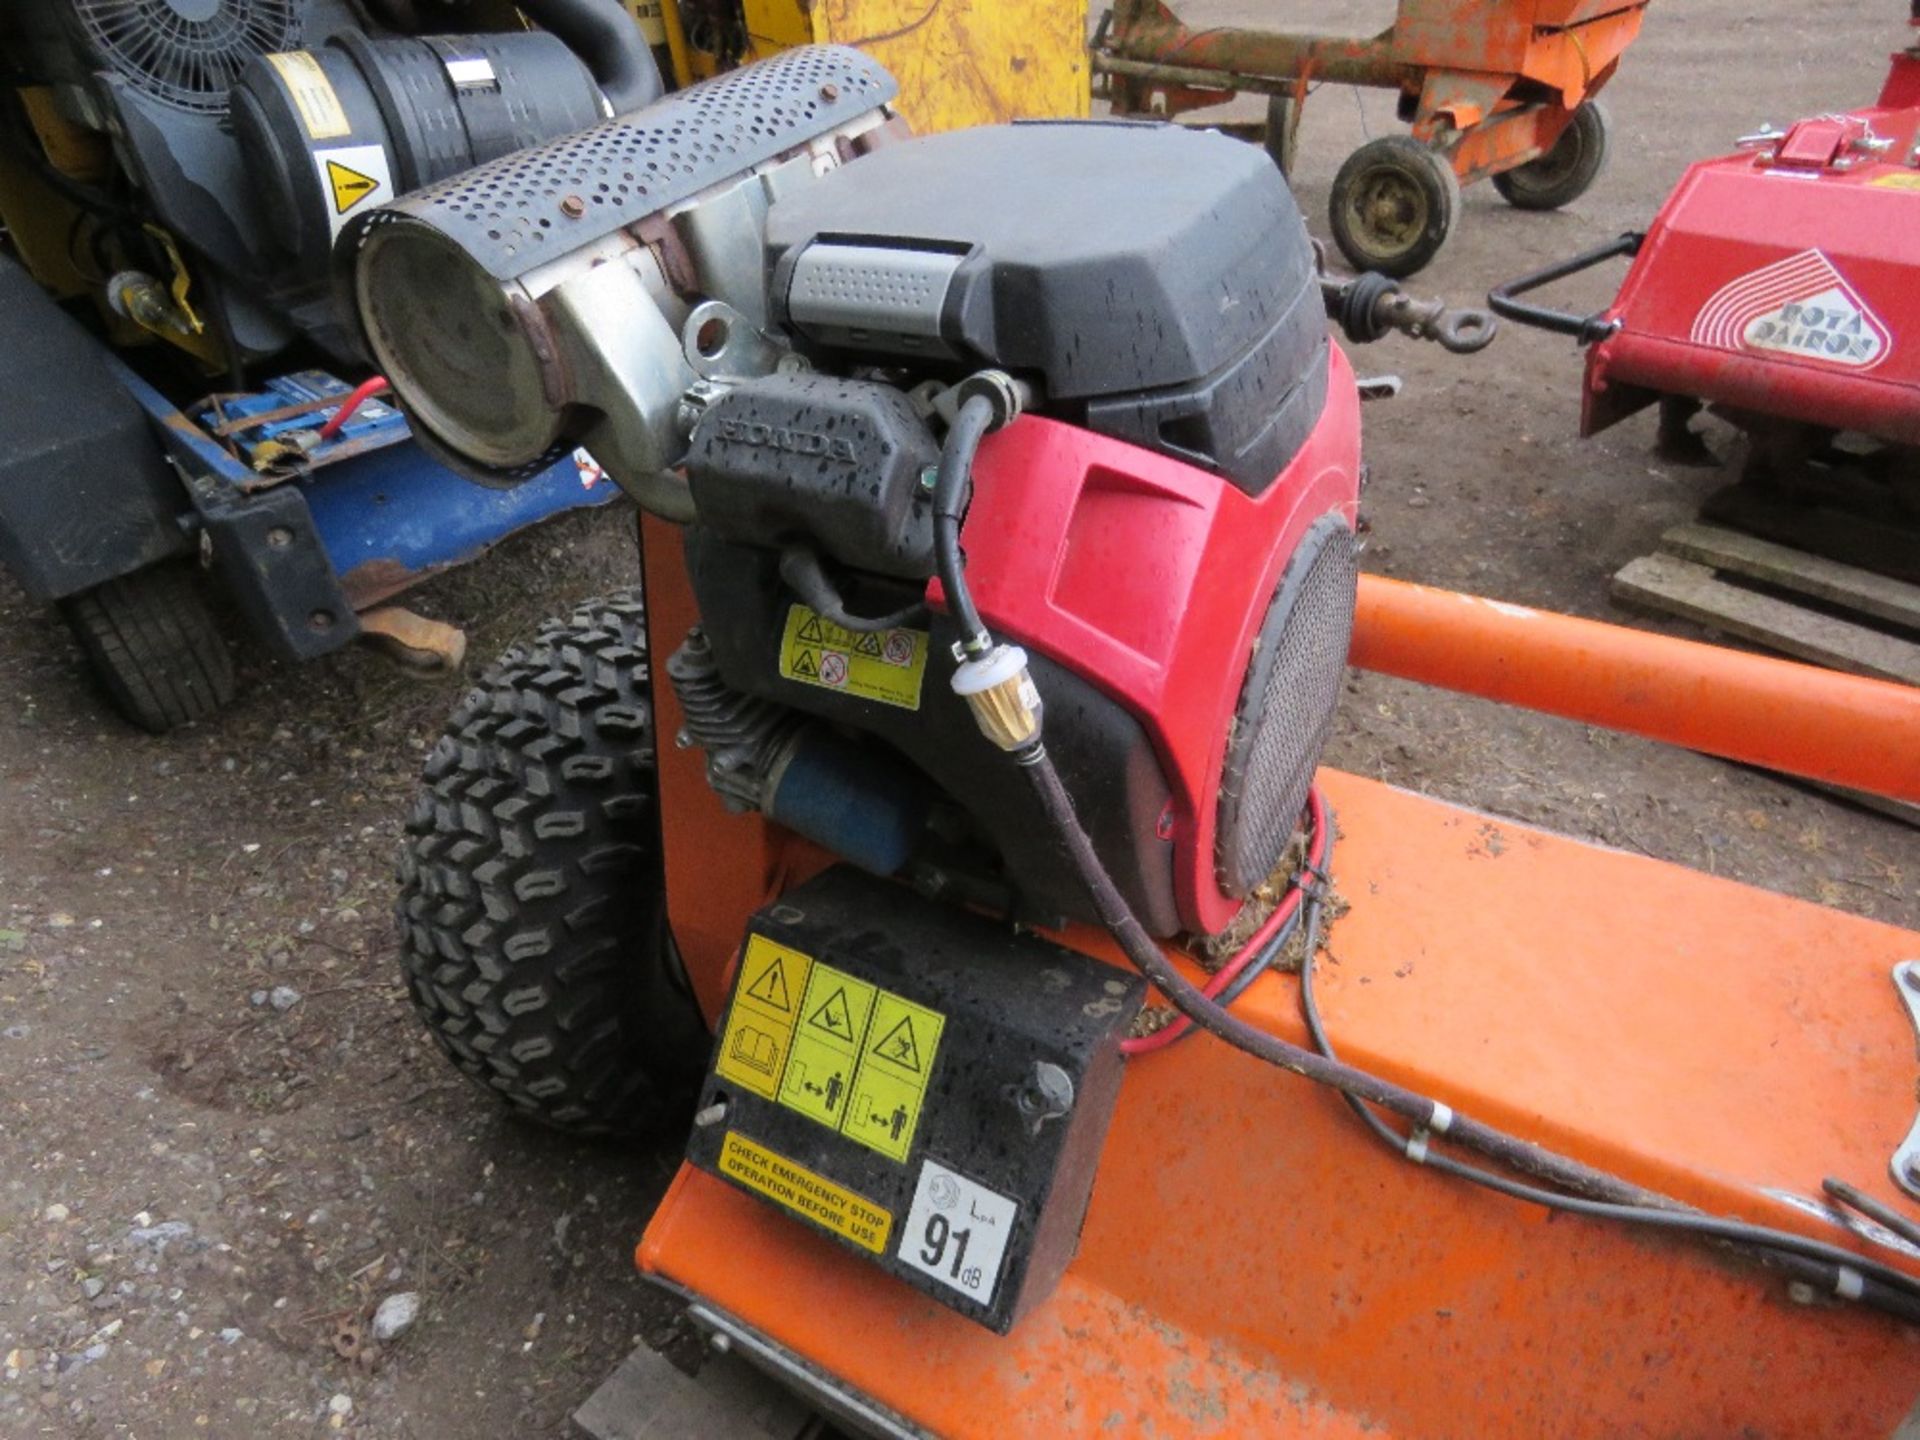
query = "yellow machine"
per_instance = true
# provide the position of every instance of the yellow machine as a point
(959, 62)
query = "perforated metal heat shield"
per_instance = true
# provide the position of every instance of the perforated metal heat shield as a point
(508, 215)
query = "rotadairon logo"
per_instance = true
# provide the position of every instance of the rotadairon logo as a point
(1802, 307)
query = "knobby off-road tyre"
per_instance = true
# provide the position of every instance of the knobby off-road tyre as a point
(531, 901)
(1568, 170)
(154, 647)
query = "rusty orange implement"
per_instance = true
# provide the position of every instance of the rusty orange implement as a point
(1494, 82)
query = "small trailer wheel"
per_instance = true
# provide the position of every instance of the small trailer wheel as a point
(1568, 170)
(154, 646)
(1283, 132)
(1393, 205)
(532, 905)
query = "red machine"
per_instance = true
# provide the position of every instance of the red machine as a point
(1777, 285)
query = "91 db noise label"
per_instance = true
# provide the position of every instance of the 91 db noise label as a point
(957, 1232)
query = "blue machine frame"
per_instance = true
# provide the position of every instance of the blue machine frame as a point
(303, 556)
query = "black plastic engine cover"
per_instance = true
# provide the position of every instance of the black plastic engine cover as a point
(816, 457)
(1158, 283)
(1103, 753)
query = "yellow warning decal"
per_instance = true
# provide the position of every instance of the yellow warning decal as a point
(891, 1084)
(830, 1046)
(349, 186)
(805, 1193)
(1900, 180)
(313, 94)
(885, 666)
(826, 1045)
(766, 1001)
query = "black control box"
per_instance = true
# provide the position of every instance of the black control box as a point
(927, 1086)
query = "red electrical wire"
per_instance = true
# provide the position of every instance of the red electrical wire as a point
(373, 385)
(1318, 833)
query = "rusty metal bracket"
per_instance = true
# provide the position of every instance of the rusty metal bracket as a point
(1906, 1160)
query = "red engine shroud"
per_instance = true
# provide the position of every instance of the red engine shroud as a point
(1784, 281)
(1151, 578)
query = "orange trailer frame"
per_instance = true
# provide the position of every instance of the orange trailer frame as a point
(1487, 86)
(1253, 1263)
(1493, 83)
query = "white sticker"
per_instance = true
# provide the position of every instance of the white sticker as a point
(957, 1232)
(466, 74)
(352, 178)
(590, 472)
(1801, 306)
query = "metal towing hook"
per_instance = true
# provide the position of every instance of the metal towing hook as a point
(1369, 305)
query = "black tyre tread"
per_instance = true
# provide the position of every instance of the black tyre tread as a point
(1591, 129)
(530, 886)
(1424, 165)
(154, 646)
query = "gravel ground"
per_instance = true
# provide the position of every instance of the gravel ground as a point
(223, 1140)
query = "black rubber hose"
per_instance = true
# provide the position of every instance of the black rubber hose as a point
(1814, 1261)
(952, 486)
(1611, 1197)
(1147, 957)
(608, 43)
(805, 576)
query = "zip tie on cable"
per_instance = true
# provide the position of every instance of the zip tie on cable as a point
(1848, 1283)
(1438, 1123)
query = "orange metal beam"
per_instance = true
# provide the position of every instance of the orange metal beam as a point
(1819, 724)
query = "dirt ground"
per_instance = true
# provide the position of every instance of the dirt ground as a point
(196, 1186)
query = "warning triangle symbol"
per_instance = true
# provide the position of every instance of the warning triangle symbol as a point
(805, 666)
(832, 1015)
(349, 186)
(771, 988)
(812, 631)
(900, 1046)
(867, 645)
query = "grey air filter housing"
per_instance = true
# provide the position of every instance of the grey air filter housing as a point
(1158, 283)
(535, 303)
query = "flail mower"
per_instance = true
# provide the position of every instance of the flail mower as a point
(941, 832)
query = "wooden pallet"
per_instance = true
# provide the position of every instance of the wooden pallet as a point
(1866, 623)
(1784, 599)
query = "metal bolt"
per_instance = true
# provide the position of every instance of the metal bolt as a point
(712, 1115)
(930, 478)
(573, 207)
(279, 537)
(1800, 1292)
(1045, 1094)
(722, 1343)
(829, 91)
(320, 620)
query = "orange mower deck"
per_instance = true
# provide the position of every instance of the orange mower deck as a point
(1254, 1263)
